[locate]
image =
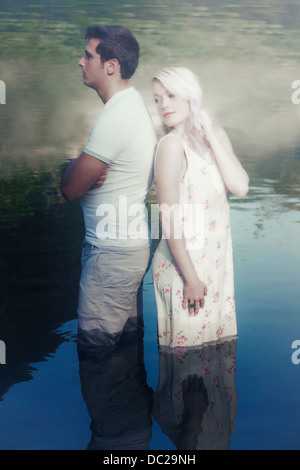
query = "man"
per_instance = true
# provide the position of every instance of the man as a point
(120, 152)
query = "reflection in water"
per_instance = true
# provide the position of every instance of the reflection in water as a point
(118, 399)
(39, 268)
(114, 387)
(196, 399)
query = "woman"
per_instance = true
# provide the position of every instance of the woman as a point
(195, 169)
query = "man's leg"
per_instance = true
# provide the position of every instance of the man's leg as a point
(108, 294)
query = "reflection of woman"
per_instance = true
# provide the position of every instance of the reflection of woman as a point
(195, 168)
(196, 398)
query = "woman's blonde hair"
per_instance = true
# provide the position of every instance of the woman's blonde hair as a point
(184, 83)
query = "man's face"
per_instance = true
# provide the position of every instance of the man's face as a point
(93, 70)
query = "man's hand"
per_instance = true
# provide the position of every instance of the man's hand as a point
(99, 182)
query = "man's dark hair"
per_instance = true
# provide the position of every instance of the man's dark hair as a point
(117, 42)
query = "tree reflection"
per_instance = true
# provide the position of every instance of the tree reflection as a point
(39, 269)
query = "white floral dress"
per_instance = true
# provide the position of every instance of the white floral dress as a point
(208, 239)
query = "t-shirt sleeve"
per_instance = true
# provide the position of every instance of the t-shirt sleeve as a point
(106, 139)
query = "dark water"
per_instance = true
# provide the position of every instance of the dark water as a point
(247, 56)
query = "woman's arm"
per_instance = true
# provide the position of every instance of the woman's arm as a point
(170, 167)
(234, 175)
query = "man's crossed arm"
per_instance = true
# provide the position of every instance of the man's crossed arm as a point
(81, 174)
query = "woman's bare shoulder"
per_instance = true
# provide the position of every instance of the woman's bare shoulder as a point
(170, 143)
(170, 157)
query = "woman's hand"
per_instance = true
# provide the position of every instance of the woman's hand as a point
(194, 292)
(234, 176)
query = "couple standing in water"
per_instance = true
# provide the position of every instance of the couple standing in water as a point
(194, 167)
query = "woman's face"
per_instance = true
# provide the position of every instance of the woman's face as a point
(173, 110)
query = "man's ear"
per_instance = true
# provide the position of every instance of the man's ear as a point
(112, 66)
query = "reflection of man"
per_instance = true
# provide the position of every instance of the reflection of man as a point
(118, 399)
(120, 148)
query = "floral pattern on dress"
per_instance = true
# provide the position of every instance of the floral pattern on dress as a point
(211, 254)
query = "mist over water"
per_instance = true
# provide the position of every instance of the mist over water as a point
(245, 54)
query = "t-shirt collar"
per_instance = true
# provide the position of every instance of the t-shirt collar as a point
(117, 96)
